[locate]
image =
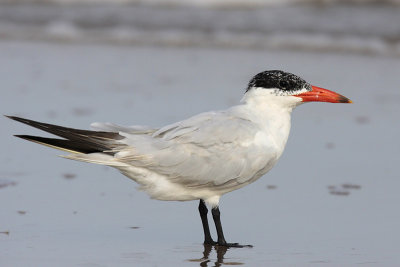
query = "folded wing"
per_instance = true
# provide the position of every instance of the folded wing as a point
(215, 148)
(210, 148)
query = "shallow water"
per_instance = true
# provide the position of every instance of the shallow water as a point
(332, 200)
(315, 26)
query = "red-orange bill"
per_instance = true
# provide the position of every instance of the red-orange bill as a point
(318, 94)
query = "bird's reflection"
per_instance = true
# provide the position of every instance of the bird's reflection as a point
(205, 261)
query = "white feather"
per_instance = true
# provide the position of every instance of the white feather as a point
(207, 155)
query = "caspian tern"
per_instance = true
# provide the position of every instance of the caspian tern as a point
(202, 157)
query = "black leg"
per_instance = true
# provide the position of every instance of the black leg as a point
(217, 220)
(221, 239)
(203, 215)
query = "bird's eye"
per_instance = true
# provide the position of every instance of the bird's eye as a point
(283, 84)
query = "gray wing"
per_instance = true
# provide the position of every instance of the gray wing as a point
(111, 127)
(211, 148)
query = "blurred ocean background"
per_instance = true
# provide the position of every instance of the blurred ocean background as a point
(332, 200)
(359, 26)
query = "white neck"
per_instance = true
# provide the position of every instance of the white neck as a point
(271, 112)
(266, 99)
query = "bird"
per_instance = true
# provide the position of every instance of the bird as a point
(202, 157)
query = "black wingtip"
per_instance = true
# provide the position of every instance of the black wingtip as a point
(71, 146)
(22, 136)
(75, 140)
(26, 137)
(15, 118)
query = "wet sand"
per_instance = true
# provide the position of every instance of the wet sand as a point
(66, 213)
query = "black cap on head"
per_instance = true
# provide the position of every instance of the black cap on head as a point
(284, 81)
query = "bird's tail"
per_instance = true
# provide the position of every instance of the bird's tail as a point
(78, 142)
